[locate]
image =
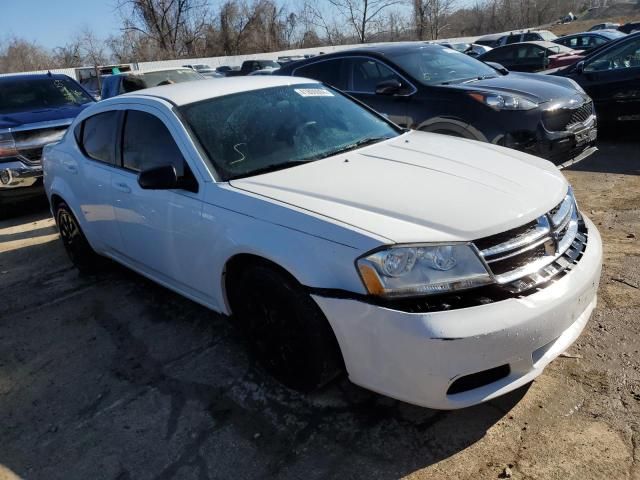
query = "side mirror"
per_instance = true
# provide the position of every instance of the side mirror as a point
(580, 67)
(158, 178)
(388, 87)
(498, 67)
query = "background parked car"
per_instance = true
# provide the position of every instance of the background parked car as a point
(471, 49)
(630, 27)
(205, 70)
(587, 41)
(604, 26)
(34, 110)
(130, 82)
(223, 69)
(611, 76)
(490, 40)
(527, 36)
(265, 71)
(532, 56)
(249, 66)
(436, 89)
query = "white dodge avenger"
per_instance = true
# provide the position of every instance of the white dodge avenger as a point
(439, 271)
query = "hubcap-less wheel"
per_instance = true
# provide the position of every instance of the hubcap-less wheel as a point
(74, 241)
(285, 328)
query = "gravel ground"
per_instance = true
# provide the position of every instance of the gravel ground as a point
(114, 377)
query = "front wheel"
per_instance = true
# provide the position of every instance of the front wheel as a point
(83, 257)
(285, 328)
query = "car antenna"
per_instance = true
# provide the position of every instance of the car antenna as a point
(49, 73)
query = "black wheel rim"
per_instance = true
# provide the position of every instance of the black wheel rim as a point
(69, 232)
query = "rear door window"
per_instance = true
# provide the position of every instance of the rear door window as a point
(99, 136)
(331, 72)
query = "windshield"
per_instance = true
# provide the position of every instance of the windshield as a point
(548, 36)
(257, 131)
(40, 94)
(441, 66)
(154, 79)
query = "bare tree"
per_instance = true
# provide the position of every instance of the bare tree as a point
(20, 55)
(362, 14)
(429, 17)
(319, 22)
(175, 26)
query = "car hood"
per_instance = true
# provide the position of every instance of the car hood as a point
(420, 187)
(18, 119)
(528, 85)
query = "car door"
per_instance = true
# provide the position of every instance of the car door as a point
(612, 79)
(160, 229)
(530, 58)
(366, 74)
(96, 137)
(505, 56)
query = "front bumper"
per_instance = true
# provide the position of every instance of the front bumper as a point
(17, 174)
(417, 357)
(19, 180)
(563, 148)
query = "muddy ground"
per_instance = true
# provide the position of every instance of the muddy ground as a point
(114, 377)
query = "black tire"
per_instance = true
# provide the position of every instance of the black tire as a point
(285, 328)
(83, 257)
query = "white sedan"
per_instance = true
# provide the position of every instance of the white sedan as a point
(440, 271)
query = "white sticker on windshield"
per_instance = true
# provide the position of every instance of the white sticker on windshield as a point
(313, 92)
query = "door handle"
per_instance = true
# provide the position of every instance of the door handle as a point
(123, 187)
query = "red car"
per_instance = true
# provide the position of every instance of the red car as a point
(532, 56)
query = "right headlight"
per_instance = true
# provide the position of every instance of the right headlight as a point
(415, 270)
(503, 101)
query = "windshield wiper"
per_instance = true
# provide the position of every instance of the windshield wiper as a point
(269, 168)
(352, 146)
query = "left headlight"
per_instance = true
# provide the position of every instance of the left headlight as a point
(503, 101)
(413, 270)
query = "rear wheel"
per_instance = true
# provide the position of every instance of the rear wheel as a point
(75, 243)
(285, 328)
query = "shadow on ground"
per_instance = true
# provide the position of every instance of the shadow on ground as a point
(113, 376)
(618, 153)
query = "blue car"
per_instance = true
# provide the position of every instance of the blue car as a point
(35, 110)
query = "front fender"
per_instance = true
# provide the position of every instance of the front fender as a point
(313, 261)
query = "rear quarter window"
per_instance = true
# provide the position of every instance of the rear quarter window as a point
(331, 72)
(99, 137)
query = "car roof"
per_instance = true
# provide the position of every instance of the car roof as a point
(605, 32)
(190, 92)
(32, 76)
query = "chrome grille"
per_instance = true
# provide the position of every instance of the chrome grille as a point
(581, 114)
(524, 258)
(560, 119)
